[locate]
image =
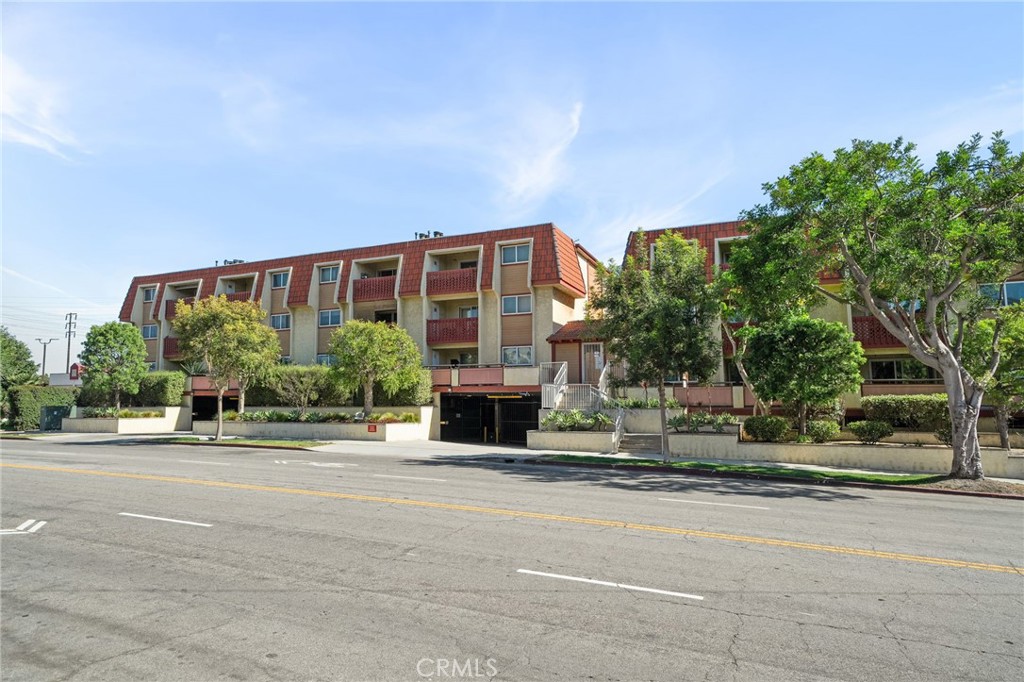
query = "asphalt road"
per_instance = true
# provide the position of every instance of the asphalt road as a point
(404, 564)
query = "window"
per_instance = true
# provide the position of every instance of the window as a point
(325, 359)
(279, 280)
(469, 311)
(466, 264)
(389, 316)
(391, 272)
(282, 321)
(328, 274)
(1007, 293)
(149, 331)
(732, 373)
(149, 294)
(517, 355)
(468, 358)
(518, 253)
(330, 318)
(516, 305)
(901, 371)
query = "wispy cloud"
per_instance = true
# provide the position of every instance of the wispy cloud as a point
(31, 112)
(946, 127)
(530, 161)
(44, 285)
(253, 111)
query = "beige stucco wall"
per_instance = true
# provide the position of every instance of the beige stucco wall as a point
(303, 335)
(173, 419)
(490, 328)
(371, 432)
(571, 441)
(410, 315)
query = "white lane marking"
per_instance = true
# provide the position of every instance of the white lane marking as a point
(196, 461)
(610, 584)
(716, 504)
(24, 529)
(316, 464)
(160, 518)
(331, 464)
(412, 478)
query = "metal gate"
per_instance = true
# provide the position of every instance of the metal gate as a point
(50, 417)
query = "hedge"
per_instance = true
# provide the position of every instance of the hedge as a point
(157, 389)
(329, 394)
(27, 401)
(915, 412)
(871, 432)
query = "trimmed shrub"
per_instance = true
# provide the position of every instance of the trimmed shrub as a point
(871, 431)
(641, 403)
(410, 418)
(160, 389)
(914, 412)
(822, 431)
(945, 433)
(721, 420)
(766, 428)
(832, 412)
(27, 401)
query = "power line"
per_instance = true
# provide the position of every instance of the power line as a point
(72, 321)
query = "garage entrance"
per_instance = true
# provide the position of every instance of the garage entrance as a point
(488, 418)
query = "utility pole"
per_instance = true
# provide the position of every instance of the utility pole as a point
(69, 331)
(45, 344)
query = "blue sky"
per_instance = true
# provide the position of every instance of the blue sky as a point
(142, 138)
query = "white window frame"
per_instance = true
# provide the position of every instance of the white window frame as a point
(274, 277)
(514, 249)
(518, 299)
(148, 294)
(277, 316)
(330, 312)
(328, 269)
(325, 359)
(156, 331)
(518, 353)
(474, 310)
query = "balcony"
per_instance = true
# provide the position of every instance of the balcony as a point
(452, 330)
(239, 296)
(374, 288)
(444, 282)
(871, 334)
(170, 305)
(171, 350)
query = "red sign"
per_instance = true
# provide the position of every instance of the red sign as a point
(371, 428)
(75, 371)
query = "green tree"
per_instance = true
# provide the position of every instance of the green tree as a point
(229, 337)
(908, 244)
(1004, 388)
(375, 352)
(114, 356)
(658, 317)
(16, 367)
(805, 361)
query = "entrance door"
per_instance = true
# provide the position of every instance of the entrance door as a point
(593, 362)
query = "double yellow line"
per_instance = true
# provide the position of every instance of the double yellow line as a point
(513, 513)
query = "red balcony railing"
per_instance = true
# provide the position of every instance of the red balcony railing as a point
(441, 377)
(374, 289)
(169, 305)
(871, 334)
(239, 296)
(171, 347)
(453, 330)
(443, 282)
(481, 376)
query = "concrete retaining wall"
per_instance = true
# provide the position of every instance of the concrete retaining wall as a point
(173, 419)
(307, 431)
(578, 441)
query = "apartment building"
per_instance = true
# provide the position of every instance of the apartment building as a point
(479, 306)
(889, 368)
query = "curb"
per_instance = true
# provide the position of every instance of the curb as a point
(706, 473)
(228, 444)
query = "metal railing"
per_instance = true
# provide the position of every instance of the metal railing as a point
(553, 383)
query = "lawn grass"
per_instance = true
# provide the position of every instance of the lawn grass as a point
(264, 442)
(755, 469)
(14, 436)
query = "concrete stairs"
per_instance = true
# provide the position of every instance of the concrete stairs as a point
(640, 443)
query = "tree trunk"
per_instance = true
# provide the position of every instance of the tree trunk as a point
(367, 399)
(1003, 425)
(664, 421)
(802, 420)
(220, 415)
(117, 399)
(964, 410)
(241, 399)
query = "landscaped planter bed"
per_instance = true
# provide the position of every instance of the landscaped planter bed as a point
(173, 419)
(578, 441)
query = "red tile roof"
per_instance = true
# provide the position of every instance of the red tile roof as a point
(555, 262)
(573, 332)
(705, 233)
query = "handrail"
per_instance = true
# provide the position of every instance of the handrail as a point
(617, 437)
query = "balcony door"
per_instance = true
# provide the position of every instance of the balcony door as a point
(593, 362)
